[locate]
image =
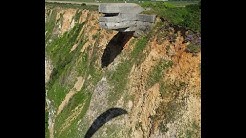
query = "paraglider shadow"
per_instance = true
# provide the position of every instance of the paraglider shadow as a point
(104, 118)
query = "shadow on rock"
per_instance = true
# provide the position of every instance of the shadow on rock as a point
(114, 47)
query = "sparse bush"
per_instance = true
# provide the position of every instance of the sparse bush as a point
(157, 72)
(95, 36)
(140, 45)
(163, 128)
(192, 48)
(83, 4)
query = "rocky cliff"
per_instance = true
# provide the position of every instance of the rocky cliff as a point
(126, 87)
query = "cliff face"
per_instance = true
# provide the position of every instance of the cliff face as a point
(89, 70)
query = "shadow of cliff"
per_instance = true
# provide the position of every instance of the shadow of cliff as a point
(104, 118)
(114, 47)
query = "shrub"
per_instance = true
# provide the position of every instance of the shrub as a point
(192, 48)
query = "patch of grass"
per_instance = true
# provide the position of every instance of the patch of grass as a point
(182, 3)
(171, 90)
(95, 73)
(95, 36)
(120, 76)
(139, 47)
(119, 80)
(193, 48)
(157, 72)
(193, 131)
(64, 61)
(50, 24)
(67, 66)
(77, 15)
(94, 68)
(188, 16)
(59, 52)
(169, 110)
(163, 128)
(82, 97)
(74, 6)
(172, 111)
(57, 92)
(167, 113)
(82, 64)
(192, 19)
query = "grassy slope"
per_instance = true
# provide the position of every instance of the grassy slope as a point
(66, 64)
(188, 16)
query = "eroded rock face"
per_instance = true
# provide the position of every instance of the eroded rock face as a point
(125, 17)
(48, 69)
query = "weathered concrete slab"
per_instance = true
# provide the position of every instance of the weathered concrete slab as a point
(146, 18)
(136, 28)
(120, 8)
(114, 25)
(120, 18)
(128, 17)
(125, 17)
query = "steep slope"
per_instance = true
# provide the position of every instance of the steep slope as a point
(155, 78)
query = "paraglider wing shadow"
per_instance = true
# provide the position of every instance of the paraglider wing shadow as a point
(104, 118)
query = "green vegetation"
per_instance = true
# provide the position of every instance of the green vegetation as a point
(188, 16)
(173, 89)
(70, 64)
(74, 6)
(179, 3)
(140, 45)
(95, 36)
(168, 113)
(157, 72)
(174, 2)
(67, 66)
(77, 15)
(137, 55)
(82, 97)
(119, 80)
(193, 48)
(120, 76)
(93, 68)
(192, 131)
(97, 1)
(169, 109)
(163, 128)
(50, 24)
(59, 52)
(57, 92)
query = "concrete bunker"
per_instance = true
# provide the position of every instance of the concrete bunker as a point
(125, 17)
